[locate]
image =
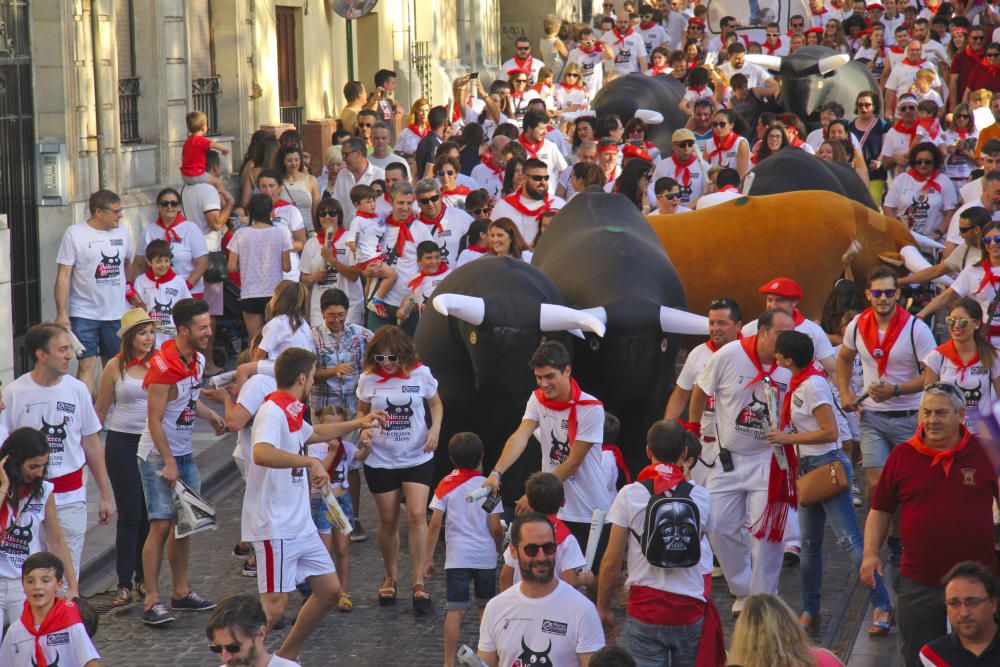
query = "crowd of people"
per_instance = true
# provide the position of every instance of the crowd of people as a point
(318, 269)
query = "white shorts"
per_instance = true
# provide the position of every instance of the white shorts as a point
(283, 563)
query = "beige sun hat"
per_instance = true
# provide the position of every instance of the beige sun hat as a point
(133, 318)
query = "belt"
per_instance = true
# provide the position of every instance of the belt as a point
(895, 414)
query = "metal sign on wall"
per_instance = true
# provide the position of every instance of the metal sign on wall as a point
(354, 9)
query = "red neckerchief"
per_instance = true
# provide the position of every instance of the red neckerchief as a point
(368, 216)
(293, 408)
(797, 380)
(541, 87)
(457, 190)
(749, 344)
(590, 51)
(401, 374)
(531, 148)
(561, 529)
(524, 65)
(797, 317)
(453, 480)
(168, 366)
(868, 330)
(647, 26)
(9, 509)
(559, 406)
(771, 49)
(129, 364)
(404, 233)
(797, 142)
(720, 148)
(989, 68)
(435, 222)
(665, 476)
(169, 235)
(620, 38)
(619, 460)
(683, 169)
(729, 188)
(902, 129)
(949, 351)
(697, 90)
(165, 278)
(63, 615)
(928, 181)
(944, 457)
(931, 125)
(515, 201)
(962, 134)
(321, 236)
(488, 161)
(988, 277)
(480, 250)
(659, 70)
(278, 204)
(337, 458)
(975, 55)
(417, 131)
(819, 13)
(571, 86)
(897, 49)
(415, 283)
(907, 61)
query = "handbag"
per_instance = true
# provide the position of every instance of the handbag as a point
(822, 483)
(218, 267)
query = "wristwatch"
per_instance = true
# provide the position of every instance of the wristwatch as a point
(895, 390)
(496, 473)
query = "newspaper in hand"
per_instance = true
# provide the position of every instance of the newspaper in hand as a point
(771, 399)
(335, 513)
(596, 526)
(194, 513)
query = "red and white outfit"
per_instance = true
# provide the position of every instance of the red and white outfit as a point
(409, 138)
(569, 556)
(525, 212)
(975, 381)
(779, 48)
(447, 231)
(549, 153)
(921, 201)
(287, 215)
(904, 73)
(64, 413)
(168, 367)
(822, 349)
(279, 334)
(628, 49)
(423, 285)
(400, 441)
(312, 260)
(980, 281)
(467, 537)
(277, 519)
(690, 176)
(252, 395)
(591, 66)
(97, 281)
(60, 641)
(734, 376)
(529, 66)
(470, 254)
(488, 176)
(653, 35)
(401, 249)
(160, 295)
(455, 198)
(22, 533)
(724, 153)
(567, 95)
(898, 140)
(187, 243)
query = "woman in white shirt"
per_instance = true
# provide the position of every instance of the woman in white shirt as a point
(506, 240)
(327, 263)
(287, 325)
(922, 197)
(808, 422)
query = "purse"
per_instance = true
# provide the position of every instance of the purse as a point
(218, 267)
(822, 483)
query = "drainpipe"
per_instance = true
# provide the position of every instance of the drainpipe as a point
(97, 47)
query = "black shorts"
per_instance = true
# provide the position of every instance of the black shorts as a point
(581, 531)
(254, 305)
(384, 480)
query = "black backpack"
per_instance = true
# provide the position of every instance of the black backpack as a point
(671, 528)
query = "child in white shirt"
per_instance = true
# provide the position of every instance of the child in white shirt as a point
(159, 288)
(432, 272)
(288, 322)
(368, 229)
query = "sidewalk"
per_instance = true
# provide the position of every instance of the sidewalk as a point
(878, 652)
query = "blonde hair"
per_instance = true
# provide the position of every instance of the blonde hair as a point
(545, 74)
(196, 120)
(416, 105)
(551, 24)
(767, 634)
(925, 75)
(290, 299)
(980, 97)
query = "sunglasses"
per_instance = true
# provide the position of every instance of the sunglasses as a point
(879, 293)
(327, 214)
(673, 196)
(168, 204)
(385, 357)
(992, 55)
(957, 322)
(687, 143)
(963, 115)
(531, 549)
(368, 125)
(991, 240)
(486, 210)
(230, 648)
(798, 25)
(538, 178)
(908, 107)
(523, 48)
(720, 123)
(446, 173)
(923, 162)
(572, 75)
(429, 200)
(977, 39)
(520, 81)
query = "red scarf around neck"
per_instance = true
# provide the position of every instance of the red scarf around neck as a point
(460, 190)
(435, 222)
(665, 476)
(525, 65)
(168, 366)
(63, 615)
(169, 235)
(945, 457)
(559, 406)
(867, 328)
(479, 249)
(619, 460)
(975, 55)
(897, 49)
(797, 380)
(415, 283)
(620, 38)
(293, 408)
(903, 129)
(989, 278)
(399, 373)
(749, 345)
(949, 351)
(722, 147)
(562, 530)
(404, 233)
(929, 181)
(532, 148)
(515, 201)
(596, 48)
(278, 204)
(453, 480)
(682, 170)
(662, 69)
(771, 49)
(797, 317)
(337, 458)
(643, 25)
(488, 161)
(919, 63)
(321, 236)
(420, 132)
(165, 278)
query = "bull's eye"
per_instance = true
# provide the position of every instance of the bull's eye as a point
(595, 343)
(663, 345)
(819, 84)
(473, 338)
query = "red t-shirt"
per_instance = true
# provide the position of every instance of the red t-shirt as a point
(982, 77)
(962, 65)
(943, 521)
(193, 155)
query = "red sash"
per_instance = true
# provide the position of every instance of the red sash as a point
(169, 235)
(404, 233)
(165, 278)
(721, 148)
(771, 49)
(415, 283)
(902, 129)
(868, 330)
(337, 458)
(398, 374)
(168, 366)
(928, 181)
(488, 161)
(71, 481)
(949, 351)
(63, 615)
(659, 607)
(532, 148)
(619, 460)
(435, 222)
(665, 476)
(453, 480)
(293, 408)
(945, 457)
(988, 276)
(515, 201)
(620, 38)
(749, 345)
(321, 236)
(559, 406)
(562, 530)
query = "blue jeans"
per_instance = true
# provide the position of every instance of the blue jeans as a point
(159, 494)
(662, 645)
(843, 521)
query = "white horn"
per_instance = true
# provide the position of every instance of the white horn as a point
(471, 309)
(772, 63)
(830, 63)
(649, 117)
(914, 261)
(926, 242)
(673, 320)
(560, 318)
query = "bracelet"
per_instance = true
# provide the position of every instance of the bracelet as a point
(895, 390)
(496, 473)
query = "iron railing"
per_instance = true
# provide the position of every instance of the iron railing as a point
(205, 95)
(128, 109)
(292, 116)
(420, 56)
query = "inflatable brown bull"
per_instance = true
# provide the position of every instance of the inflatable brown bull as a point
(733, 248)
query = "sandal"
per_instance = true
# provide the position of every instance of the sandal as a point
(124, 597)
(345, 603)
(421, 598)
(387, 592)
(810, 623)
(881, 628)
(140, 589)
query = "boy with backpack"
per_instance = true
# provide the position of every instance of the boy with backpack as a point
(661, 518)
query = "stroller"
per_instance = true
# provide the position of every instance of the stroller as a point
(230, 330)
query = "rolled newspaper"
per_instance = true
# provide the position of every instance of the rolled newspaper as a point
(222, 379)
(594, 537)
(771, 393)
(468, 658)
(481, 492)
(335, 513)
(78, 348)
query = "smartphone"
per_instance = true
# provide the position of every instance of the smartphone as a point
(491, 502)
(474, 75)
(726, 457)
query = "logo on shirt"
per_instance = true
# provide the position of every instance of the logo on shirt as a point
(186, 418)
(161, 312)
(399, 416)
(57, 639)
(16, 543)
(62, 406)
(55, 435)
(969, 476)
(410, 390)
(559, 450)
(972, 395)
(109, 268)
(554, 627)
(752, 418)
(530, 658)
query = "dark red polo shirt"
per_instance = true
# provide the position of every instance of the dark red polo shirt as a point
(962, 65)
(983, 77)
(942, 521)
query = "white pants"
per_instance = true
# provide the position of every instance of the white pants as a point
(73, 521)
(11, 599)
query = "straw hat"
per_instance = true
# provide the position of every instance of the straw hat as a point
(133, 318)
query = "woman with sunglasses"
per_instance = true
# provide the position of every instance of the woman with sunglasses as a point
(966, 360)
(636, 130)
(833, 37)
(980, 281)
(401, 462)
(327, 263)
(521, 93)
(922, 197)
(870, 129)
(446, 168)
(570, 94)
(506, 240)
(959, 145)
(187, 242)
(726, 148)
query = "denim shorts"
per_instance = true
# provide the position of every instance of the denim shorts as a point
(159, 494)
(880, 433)
(100, 337)
(457, 580)
(318, 506)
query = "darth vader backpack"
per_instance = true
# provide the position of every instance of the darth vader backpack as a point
(671, 533)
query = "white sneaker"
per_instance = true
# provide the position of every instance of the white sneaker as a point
(738, 606)
(855, 495)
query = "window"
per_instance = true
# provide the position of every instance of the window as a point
(205, 86)
(128, 83)
(288, 77)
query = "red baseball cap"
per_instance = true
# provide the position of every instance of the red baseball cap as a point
(636, 151)
(694, 20)
(783, 287)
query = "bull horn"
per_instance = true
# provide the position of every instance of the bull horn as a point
(926, 242)
(560, 318)
(649, 117)
(830, 63)
(673, 320)
(914, 261)
(471, 309)
(772, 63)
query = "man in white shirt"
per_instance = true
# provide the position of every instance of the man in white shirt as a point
(683, 166)
(727, 183)
(394, 172)
(445, 225)
(628, 47)
(358, 171)
(896, 144)
(542, 619)
(382, 155)
(91, 281)
(534, 138)
(903, 75)
(60, 406)
(590, 54)
(239, 620)
(989, 199)
(488, 174)
(401, 254)
(522, 60)
(989, 156)
(651, 29)
(526, 206)
(757, 76)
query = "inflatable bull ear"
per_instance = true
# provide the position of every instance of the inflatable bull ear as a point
(677, 321)
(772, 63)
(551, 317)
(649, 117)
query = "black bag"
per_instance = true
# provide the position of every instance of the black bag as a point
(671, 528)
(218, 267)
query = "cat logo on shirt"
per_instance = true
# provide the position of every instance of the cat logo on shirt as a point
(109, 268)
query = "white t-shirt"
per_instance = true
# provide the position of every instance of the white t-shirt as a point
(741, 411)
(533, 66)
(190, 247)
(726, 158)
(160, 300)
(276, 503)
(591, 67)
(97, 281)
(585, 489)
(467, 256)
(454, 224)
(278, 336)
(695, 363)
(975, 382)
(756, 75)
(627, 52)
(252, 395)
(197, 200)
(312, 260)
(919, 205)
(178, 417)
(64, 413)
(569, 556)
(425, 288)
(715, 198)
(405, 264)
(259, 250)
(570, 96)
(400, 441)
(556, 627)
(901, 366)
(24, 534)
(695, 177)
(488, 179)
(290, 218)
(629, 511)
(967, 284)
(338, 475)
(70, 647)
(466, 528)
(653, 37)
(277, 661)
(902, 76)
(527, 224)
(822, 348)
(894, 143)
(811, 394)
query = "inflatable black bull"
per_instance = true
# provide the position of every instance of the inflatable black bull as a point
(626, 94)
(604, 257)
(792, 170)
(487, 319)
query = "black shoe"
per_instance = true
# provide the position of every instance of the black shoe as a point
(358, 533)
(192, 602)
(158, 614)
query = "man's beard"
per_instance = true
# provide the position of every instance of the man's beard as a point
(244, 662)
(528, 573)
